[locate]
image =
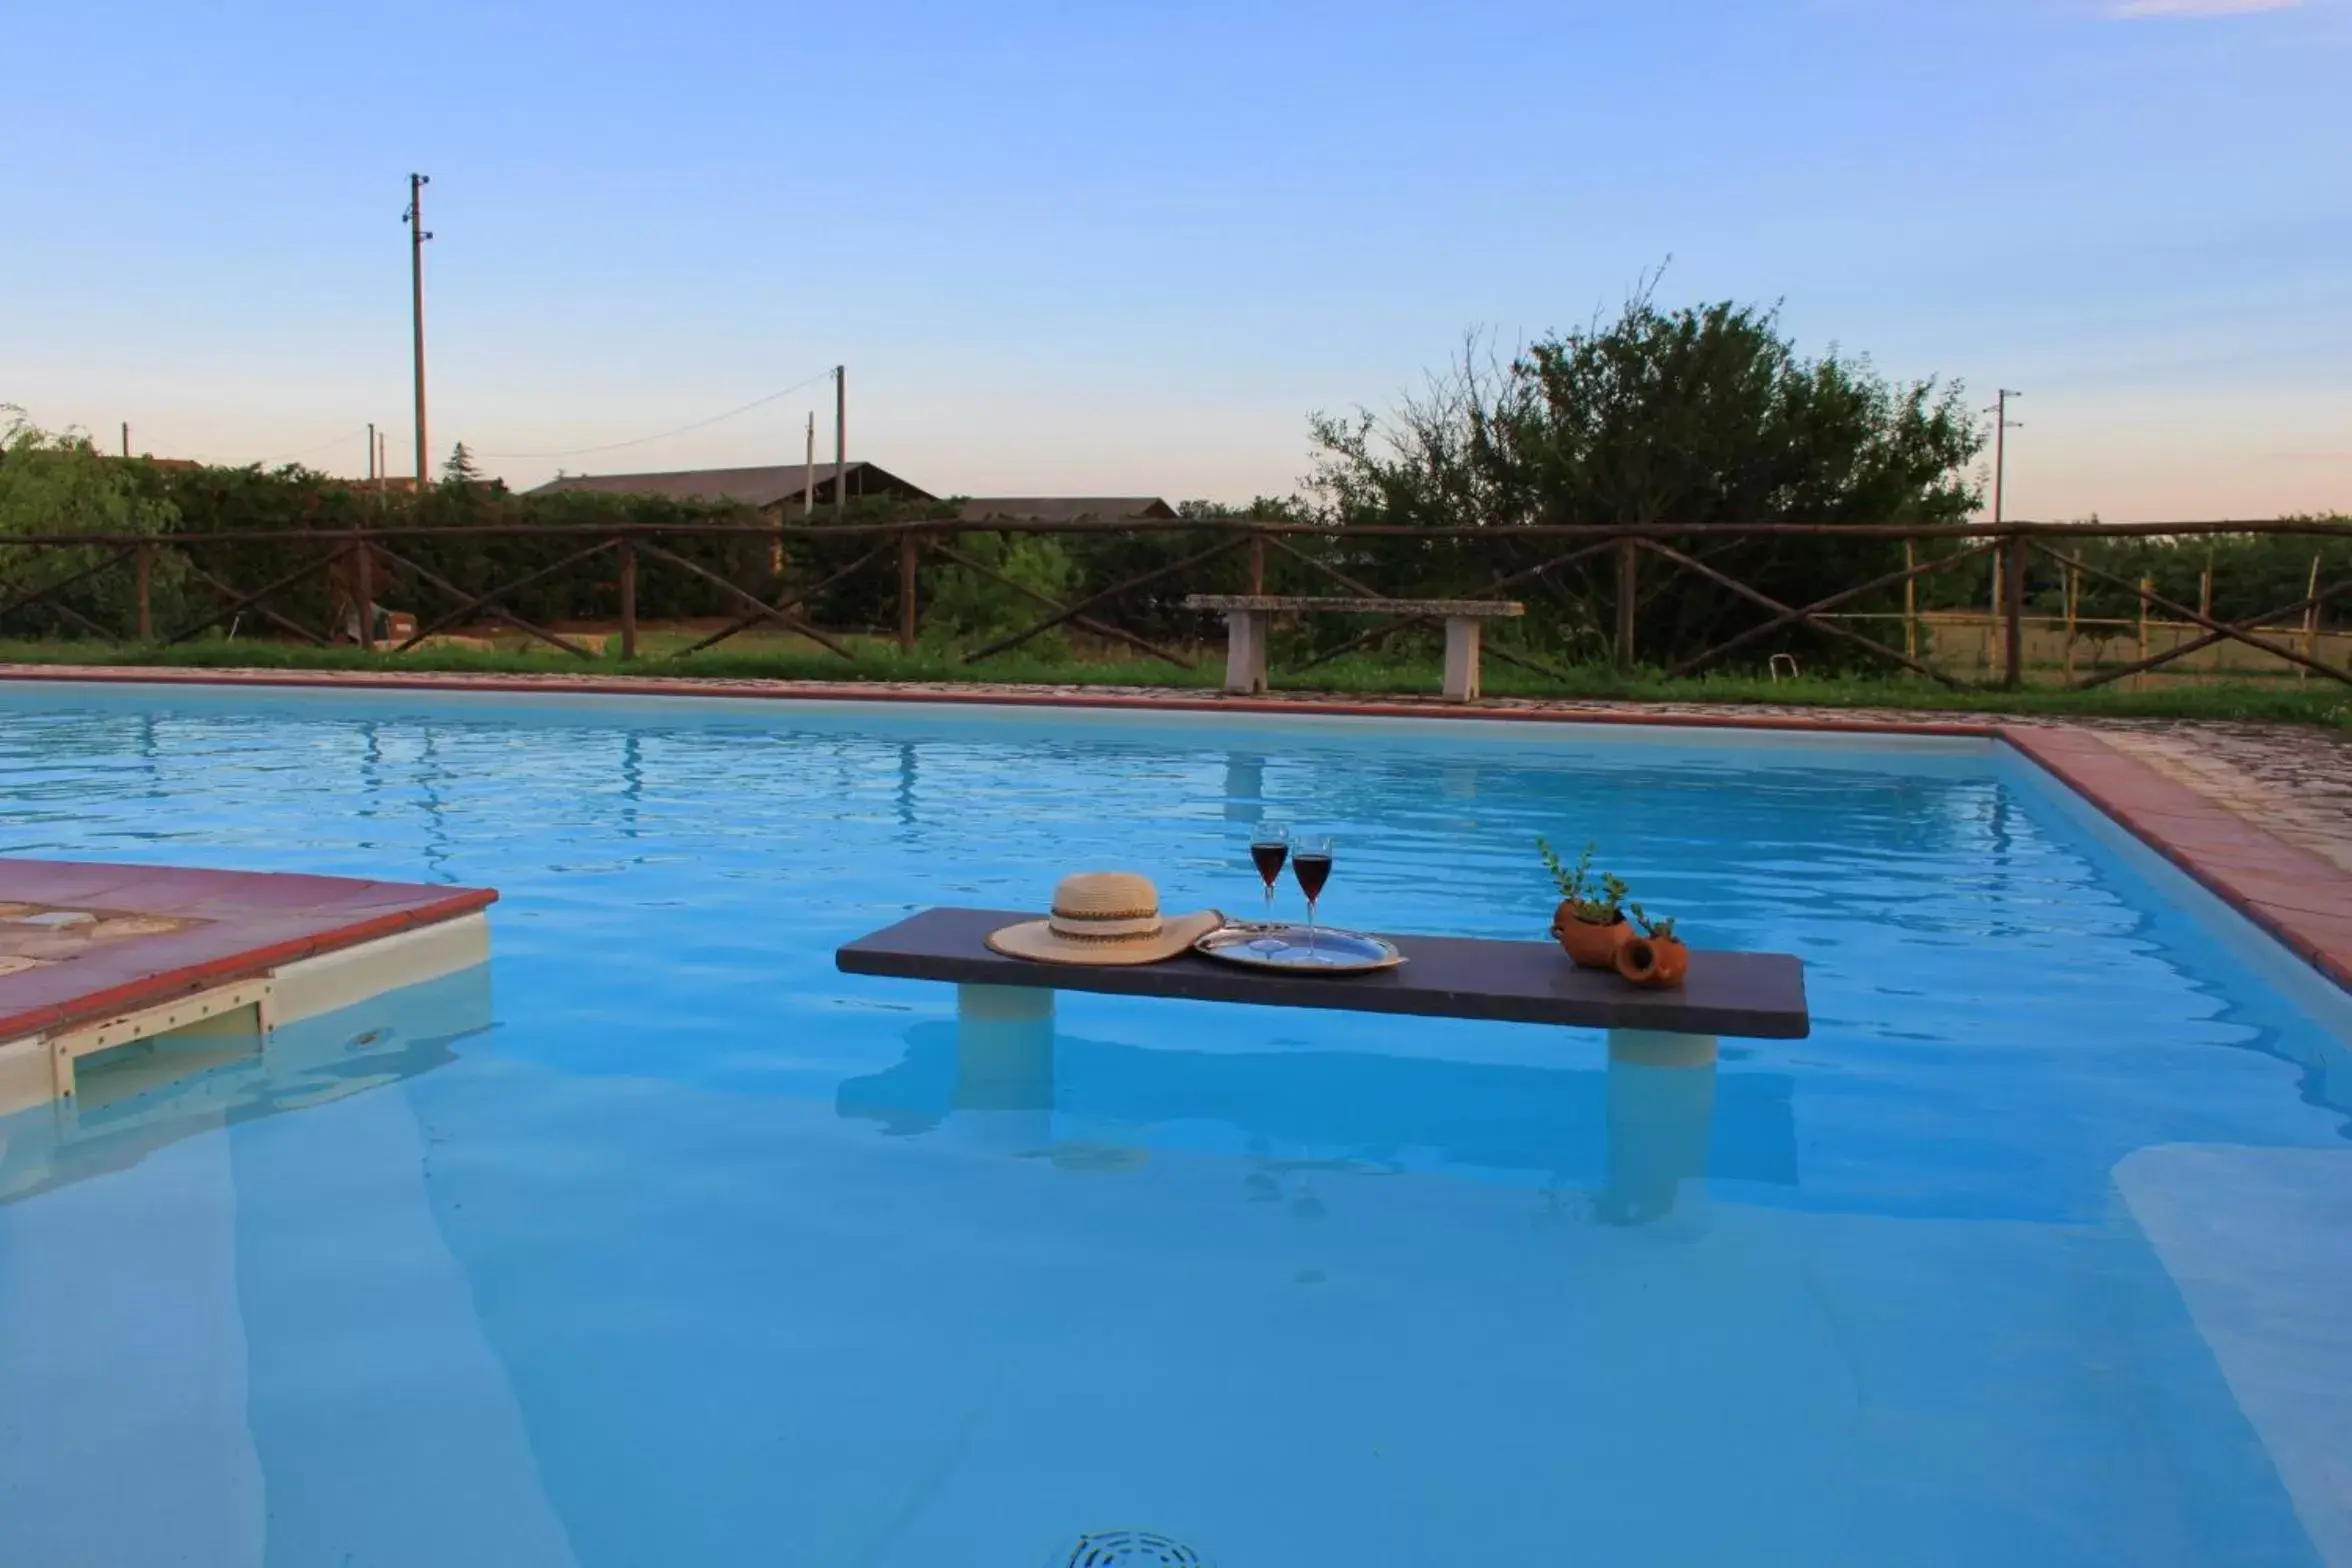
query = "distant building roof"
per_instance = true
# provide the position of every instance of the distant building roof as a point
(782, 486)
(753, 487)
(1062, 509)
(176, 464)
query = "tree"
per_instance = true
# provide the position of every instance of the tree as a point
(61, 484)
(461, 468)
(1693, 416)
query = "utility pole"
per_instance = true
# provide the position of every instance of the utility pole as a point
(808, 484)
(363, 609)
(2009, 557)
(126, 438)
(2002, 425)
(417, 235)
(383, 465)
(840, 441)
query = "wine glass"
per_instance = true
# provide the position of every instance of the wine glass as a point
(1269, 847)
(1311, 863)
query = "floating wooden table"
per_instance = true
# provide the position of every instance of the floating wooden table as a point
(1748, 995)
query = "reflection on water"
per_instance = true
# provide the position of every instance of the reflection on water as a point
(999, 1078)
(1245, 787)
(822, 1274)
(139, 1098)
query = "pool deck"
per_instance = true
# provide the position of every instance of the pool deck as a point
(93, 956)
(2260, 814)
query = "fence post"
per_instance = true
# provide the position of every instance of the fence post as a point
(628, 597)
(1257, 563)
(1993, 609)
(1911, 600)
(2073, 598)
(2147, 587)
(364, 585)
(2013, 612)
(1628, 582)
(908, 550)
(143, 566)
(2310, 621)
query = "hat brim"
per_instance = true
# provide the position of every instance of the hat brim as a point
(1037, 940)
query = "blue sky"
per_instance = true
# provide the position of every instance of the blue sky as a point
(1086, 248)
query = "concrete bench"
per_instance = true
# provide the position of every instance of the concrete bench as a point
(1248, 615)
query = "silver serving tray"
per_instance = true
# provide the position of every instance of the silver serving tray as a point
(1286, 948)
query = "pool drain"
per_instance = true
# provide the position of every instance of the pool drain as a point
(1131, 1549)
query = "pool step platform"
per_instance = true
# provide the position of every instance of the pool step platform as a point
(98, 957)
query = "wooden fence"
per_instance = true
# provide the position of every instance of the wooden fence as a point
(38, 570)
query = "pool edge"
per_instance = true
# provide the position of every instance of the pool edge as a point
(948, 694)
(2293, 895)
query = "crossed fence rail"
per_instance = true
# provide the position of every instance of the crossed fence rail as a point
(353, 560)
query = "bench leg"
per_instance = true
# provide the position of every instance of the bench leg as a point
(1245, 651)
(1661, 1097)
(1461, 659)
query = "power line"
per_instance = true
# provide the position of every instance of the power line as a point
(287, 457)
(700, 424)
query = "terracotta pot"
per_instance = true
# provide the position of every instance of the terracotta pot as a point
(1653, 960)
(1590, 944)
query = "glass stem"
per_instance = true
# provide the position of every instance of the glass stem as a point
(1310, 927)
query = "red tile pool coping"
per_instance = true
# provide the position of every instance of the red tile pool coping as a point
(2302, 900)
(252, 923)
(2299, 898)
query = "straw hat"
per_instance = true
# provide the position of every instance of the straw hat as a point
(1104, 917)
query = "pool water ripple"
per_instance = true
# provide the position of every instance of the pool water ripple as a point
(703, 1253)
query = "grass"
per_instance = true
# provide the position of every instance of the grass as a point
(2313, 702)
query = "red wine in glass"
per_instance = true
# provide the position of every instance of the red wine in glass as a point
(1268, 850)
(1312, 866)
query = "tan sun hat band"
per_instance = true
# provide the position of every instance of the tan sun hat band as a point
(1104, 928)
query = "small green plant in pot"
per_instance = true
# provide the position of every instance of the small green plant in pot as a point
(1651, 954)
(1590, 921)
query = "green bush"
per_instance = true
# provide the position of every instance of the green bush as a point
(60, 484)
(971, 610)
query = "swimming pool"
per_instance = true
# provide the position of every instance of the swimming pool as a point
(679, 1248)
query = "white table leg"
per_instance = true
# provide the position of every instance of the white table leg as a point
(1004, 1088)
(1245, 650)
(1661, 1109)
(1461, 658)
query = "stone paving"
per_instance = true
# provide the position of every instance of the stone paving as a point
(2294, 782)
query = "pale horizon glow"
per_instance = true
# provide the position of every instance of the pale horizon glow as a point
(2140, 8)
(1119, 251)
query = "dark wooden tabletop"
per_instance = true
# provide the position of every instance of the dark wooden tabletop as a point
(1747, 995)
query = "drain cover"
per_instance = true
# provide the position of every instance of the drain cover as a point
(1131, 1549)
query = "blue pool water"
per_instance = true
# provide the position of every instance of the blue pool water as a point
(665, 1244)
